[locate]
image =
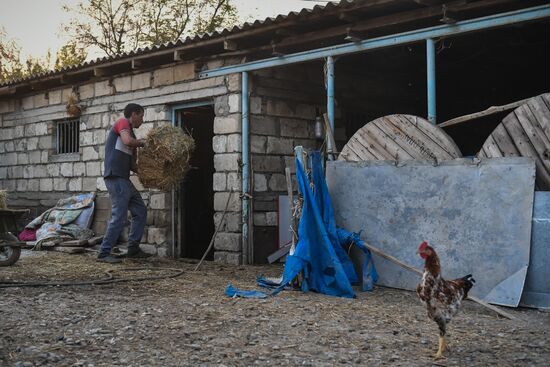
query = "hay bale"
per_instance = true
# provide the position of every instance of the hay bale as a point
(164, 160)
(3, 199)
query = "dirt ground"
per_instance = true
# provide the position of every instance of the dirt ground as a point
(188, 321)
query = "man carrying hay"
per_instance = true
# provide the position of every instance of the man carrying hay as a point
(120, 158)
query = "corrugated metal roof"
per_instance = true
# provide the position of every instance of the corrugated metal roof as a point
(258, 24)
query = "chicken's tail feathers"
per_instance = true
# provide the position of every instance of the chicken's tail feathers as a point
(468, 283)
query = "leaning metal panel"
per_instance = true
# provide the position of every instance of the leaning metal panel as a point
(477, 215)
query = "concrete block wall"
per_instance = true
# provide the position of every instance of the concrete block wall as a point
(227, 147)
(283, 107)
(36, 177)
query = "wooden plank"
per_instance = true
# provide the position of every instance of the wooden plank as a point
(481, 154)
(534, 133)
(361, 151)
(397, 148)
(491, 148)
(436, 134)
(489, 111)
(525, 148)
(504, 142)
(417, 138)
(74, 243)
(541, 111)
(372, 145)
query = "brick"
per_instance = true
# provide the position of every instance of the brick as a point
(46, 184)
(102, 88)
(277, 182)
(7, 134)
(220, 200)
(271, 219)
(233, 82)
(79, 169)
(40, 100)
(234, 143)
(234, 102)
(100, 184)
(159, 201)
(136, 182)
(41, 128)
(66, 169)
(86, 91)
(75, 184)
(256, 105)
(231, 258)
(260, 182)
(90, 153)
(35, 157)
(32, 143)
(221, 105)
(184, 72)
(22, 185)
(33, 185)
(279, 108)
(295, 128)
(163, 76)
(228, 241)
(20, 145)
(157, 235)
(264, 125)
(53, 169)
(161, 218)
(122, 84)
(234, 181)
(141, 81)
(22, 158)
(89, 184)
(227, 162)
(60, 184)
(267, 164)
(157, 113)
(99, 137)
(86, 138)
(219, 143)
(27, 103)
(231, 222)
(227, 124)
(219, 181)
(54, 97)
(279, 146)
(45, 142)
(65, 94)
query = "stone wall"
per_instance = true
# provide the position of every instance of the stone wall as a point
(283, 107)
(36, 177)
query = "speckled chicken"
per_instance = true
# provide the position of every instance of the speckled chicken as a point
(441, 297)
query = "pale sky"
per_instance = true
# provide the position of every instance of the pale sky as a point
(35, 24)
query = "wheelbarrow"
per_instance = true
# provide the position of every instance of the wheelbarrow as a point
(10, 246)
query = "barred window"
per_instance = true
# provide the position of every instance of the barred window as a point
(67, 136)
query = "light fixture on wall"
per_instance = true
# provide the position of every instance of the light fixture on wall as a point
(318, 127)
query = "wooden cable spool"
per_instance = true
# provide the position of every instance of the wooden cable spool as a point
(524, 132)
(400, 138)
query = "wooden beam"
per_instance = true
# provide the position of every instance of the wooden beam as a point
(8, 91)
(490, 111)
(428, 2)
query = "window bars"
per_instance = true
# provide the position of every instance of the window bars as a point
(67, 136)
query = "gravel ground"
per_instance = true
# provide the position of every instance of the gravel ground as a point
(187, 321)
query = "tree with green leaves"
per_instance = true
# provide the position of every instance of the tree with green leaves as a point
(118, 26)
(12, 67)
(70, 55)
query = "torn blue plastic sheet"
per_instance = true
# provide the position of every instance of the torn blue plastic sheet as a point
(319, 255)
(233, 292)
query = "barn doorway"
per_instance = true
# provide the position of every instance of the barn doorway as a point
(194, 206)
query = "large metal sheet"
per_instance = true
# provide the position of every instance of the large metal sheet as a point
(476, 214)
(536, 292)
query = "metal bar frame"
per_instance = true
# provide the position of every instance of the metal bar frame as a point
(430, 72)
(245, 169)
(466, 26)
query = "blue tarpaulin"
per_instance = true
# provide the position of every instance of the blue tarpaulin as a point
(319, 255)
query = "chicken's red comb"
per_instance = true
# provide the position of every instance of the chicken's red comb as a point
(423, 245)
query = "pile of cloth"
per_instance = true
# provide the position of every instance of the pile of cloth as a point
(69, 218)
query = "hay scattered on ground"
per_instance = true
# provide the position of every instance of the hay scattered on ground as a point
(3, 199)
(164, 161)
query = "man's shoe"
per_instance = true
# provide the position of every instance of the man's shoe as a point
(109, 259)
(137, 253)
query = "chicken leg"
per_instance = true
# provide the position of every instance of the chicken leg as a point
(442, 348)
